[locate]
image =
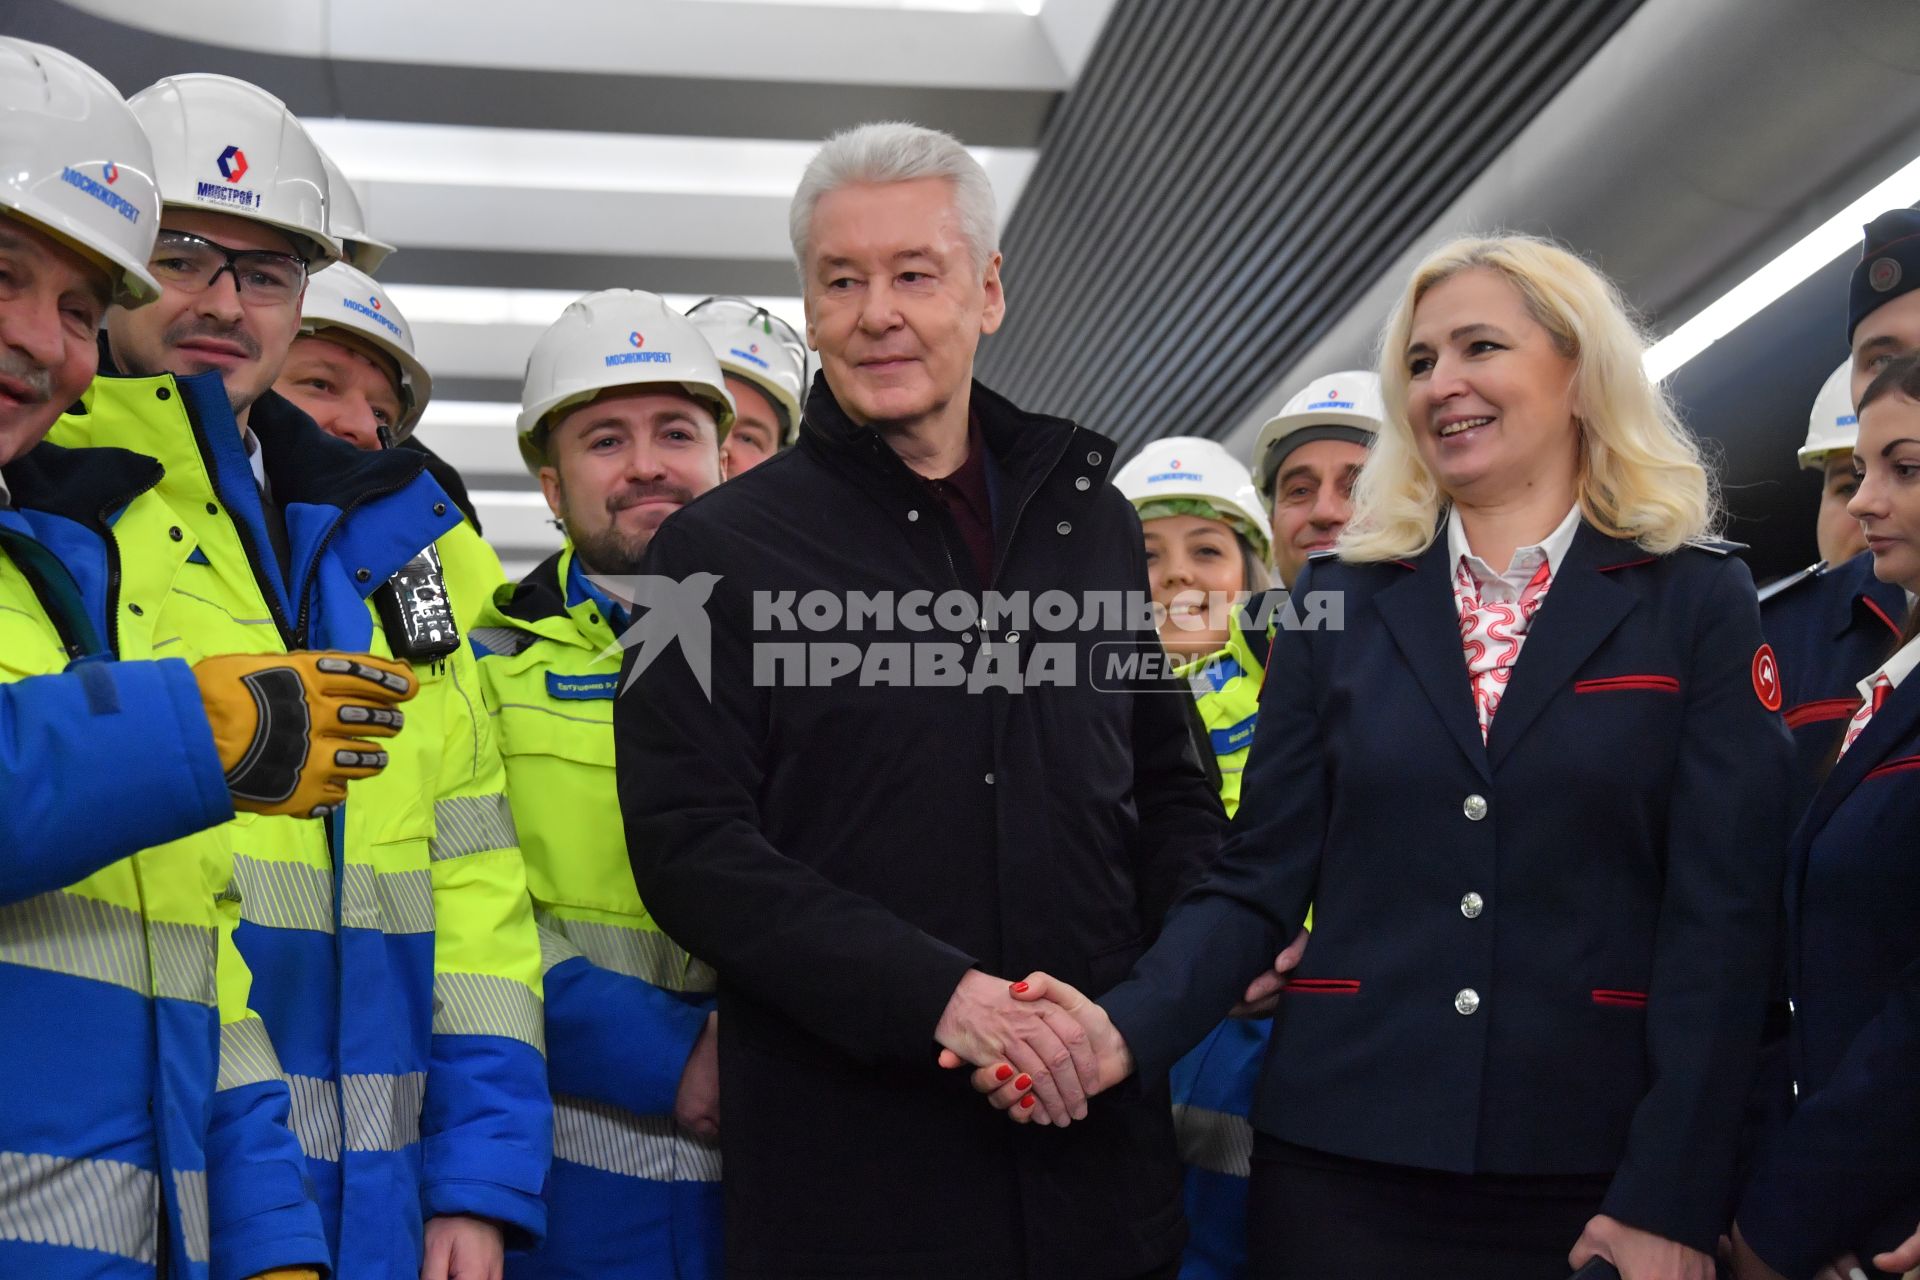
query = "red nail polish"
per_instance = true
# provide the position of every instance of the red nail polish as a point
(1024, 1082)
(1003, 1072)
(1026, 1102)
(1018, 987)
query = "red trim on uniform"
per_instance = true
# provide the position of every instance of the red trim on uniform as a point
(1324, 986)
(1905, 764)
(1881, 614)
(1821, 710)
(1621, 999)
(1607, 684)
(1406, 564)
(1628, 564)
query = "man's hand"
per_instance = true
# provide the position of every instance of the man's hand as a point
(1637, 1254)
(463, 1248)
(1263, 993)
(1046, 1045)
(1014, 1091)
(292, 729)
(696, 1107)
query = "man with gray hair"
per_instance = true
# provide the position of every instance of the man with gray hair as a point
(906, 780)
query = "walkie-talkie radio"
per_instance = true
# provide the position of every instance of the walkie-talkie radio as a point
(413, 604)
(414, 610)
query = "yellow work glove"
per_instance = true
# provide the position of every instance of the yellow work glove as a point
(292, 728)
(289, 1273)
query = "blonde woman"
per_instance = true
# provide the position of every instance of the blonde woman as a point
(1534, 788)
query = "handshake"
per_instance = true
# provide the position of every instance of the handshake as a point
(1040, 1049)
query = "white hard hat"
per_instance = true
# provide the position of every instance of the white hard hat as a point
(348, 222)
(757, 345)
(232, 147)
(1833, 425)
(349, 300)
(74, 161)
(1191, 469)
(1340, 406)
(616, 338)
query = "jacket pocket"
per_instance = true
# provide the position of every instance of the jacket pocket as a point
(1620, 999)
(1820, 711)
(1322, 986)
(1628, 684)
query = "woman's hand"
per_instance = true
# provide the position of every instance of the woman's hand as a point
(1637, 1254)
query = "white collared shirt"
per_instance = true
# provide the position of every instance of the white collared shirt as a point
(1504, 588)
(256, 459)
(1897, 668)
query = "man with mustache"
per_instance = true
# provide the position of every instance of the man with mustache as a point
(618, 445)
(395, 960)
(148, 1132)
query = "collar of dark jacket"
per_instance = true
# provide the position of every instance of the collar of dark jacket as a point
(84, 485)
(1025, 446)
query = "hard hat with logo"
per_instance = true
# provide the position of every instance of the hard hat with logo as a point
(344, 300)
(757, 345)
(1833, 427)
(1187, 475)
(227, 146)
(1339, 406)
(616, 338)
(348, 222)
(75, 162)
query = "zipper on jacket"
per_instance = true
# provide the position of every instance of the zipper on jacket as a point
(247, 544)
(105, 530)
(306, 597)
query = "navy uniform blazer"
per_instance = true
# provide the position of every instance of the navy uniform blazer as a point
(1844, 1172)
(1547, 954)
(1830, 627)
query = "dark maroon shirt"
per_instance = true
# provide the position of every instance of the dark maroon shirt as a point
(964, 495)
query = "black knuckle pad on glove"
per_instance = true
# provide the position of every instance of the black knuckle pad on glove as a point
(355, 715)
(334, 666)
(269, 770)
(360, 759)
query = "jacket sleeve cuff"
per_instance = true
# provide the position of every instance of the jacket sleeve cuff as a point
(201, 759)
(924, 989)
(276, 1238)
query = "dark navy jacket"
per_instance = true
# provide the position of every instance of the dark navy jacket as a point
(1830, 628)
(1844, 1172)
(1622, 831)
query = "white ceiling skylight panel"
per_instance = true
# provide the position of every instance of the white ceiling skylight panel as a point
(379, 151)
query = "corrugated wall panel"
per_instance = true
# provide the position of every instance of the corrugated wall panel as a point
(1229, 174)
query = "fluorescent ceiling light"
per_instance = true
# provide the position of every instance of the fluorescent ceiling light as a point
(467, 414)
(459, 304)
(1760, 290)
(1028, 7)
(508, 498)
(550, 159)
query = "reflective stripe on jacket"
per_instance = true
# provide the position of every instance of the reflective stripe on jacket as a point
(132, 1070)
(631, 1196)
(392, 945)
